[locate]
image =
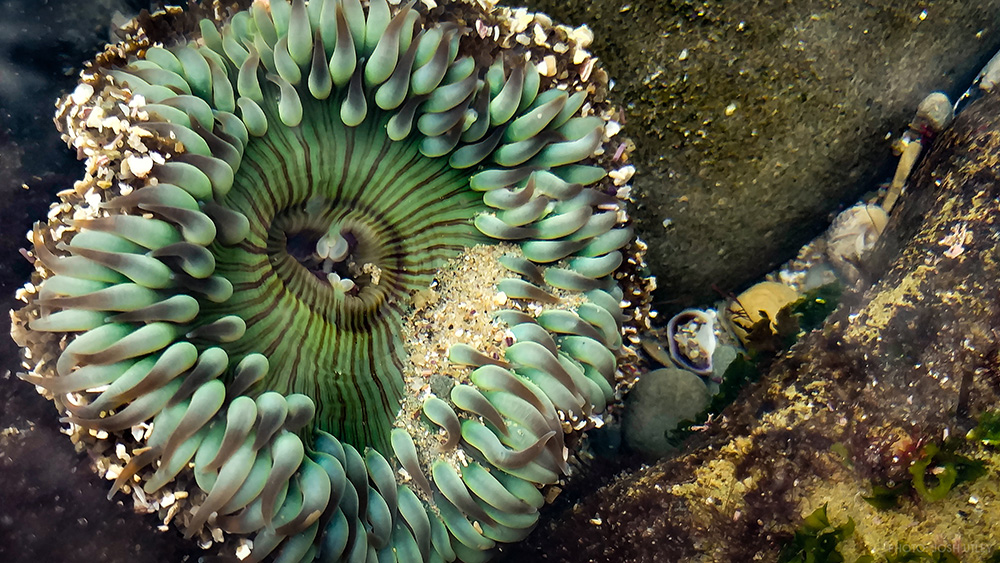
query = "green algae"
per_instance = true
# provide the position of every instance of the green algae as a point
(935, 472)
(988, 429)
(816, 540)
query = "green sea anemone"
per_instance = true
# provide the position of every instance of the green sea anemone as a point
(287, 218)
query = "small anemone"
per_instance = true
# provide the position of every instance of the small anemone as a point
(853, 233)
(236, 275)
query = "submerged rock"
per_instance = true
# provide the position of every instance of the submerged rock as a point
(660, 401)
(754, 121)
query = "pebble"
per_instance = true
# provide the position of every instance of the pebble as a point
(140, 165)
(82, 93)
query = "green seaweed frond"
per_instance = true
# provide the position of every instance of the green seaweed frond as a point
(935, 472)
(815, 305)
(816, 540)
(939, 470)
(741, 372)
(885, 498)
(988, 429)
(738, 375)
(840, 450)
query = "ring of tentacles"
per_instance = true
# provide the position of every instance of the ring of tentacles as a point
(245, 293)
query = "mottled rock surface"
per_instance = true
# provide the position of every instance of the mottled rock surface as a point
(753, 121)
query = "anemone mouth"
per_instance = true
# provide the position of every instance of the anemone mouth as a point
(236, 281)
(353, 266)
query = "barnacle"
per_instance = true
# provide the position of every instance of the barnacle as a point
(233, 283)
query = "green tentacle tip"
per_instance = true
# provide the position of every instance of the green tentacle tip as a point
(252, 280)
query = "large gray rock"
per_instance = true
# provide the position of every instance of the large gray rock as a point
(813, 89)
(658, 403)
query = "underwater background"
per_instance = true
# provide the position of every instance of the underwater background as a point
(722, 196)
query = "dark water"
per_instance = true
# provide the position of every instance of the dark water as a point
(52, 506)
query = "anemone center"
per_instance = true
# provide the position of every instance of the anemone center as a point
(347, 255)
(345, 224)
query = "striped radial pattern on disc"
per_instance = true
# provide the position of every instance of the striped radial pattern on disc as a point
(246, 294)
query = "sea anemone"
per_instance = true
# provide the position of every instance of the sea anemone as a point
(851, 236)
(282, 208)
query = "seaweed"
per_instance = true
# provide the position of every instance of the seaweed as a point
(948, 469)
(885, 497)
(816, 540)
(815, 305)
(934, 474)
(741, 372)
(988, 429)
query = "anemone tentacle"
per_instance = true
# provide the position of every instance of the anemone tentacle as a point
(320, 163)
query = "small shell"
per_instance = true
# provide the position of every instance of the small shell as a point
(990, 75)
(934, 113)
(139, 166)
(82, 93)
